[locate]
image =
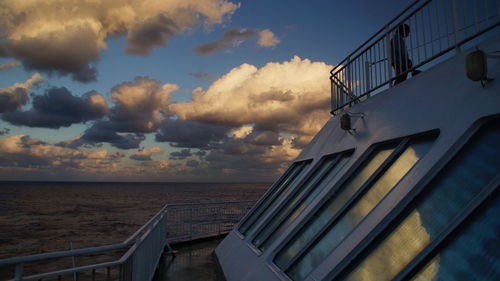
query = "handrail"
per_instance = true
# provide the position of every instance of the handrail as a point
(130, 268)
(437, 27)
(376, 33)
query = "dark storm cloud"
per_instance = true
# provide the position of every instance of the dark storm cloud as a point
(263, 138)
(144, 154)
(58, 107)
(140, 157)
(239, 147)
(150, 34)
(138, 109)
(100, 133)
(184, 133)
(230, 38)
(73, 56)
(12, 100)
(138, 105)
(200, 153)
(192, 163)
(180, 155)
(15, 96)
(66, 37)
(4, 131)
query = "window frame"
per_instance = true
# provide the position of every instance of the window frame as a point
(406, 202)
(337, 156)
(266, 196)
(401, 145)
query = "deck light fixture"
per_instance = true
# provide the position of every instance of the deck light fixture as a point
(345, 121)
(476, 66)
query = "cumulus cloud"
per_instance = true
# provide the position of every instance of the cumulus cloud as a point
(181, 155)
(267, 39)
(231, 38)
(237, 158)
(236, 36)
(58, 107)
(146, 153)
(9, 65)
(100, 133)
(290, 97)
(15, 96)
(24, 151)
(192, 134)
(66, 37)
(139, 107)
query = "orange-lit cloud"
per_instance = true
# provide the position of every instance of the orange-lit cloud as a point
(15, 96)
(72, 33)
(235, 37)
(267, 38)
(289, 97)
(146, 153)
(9, 65)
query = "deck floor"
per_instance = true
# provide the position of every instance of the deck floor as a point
(193, 262)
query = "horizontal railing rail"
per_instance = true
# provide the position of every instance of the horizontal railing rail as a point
(422, 35)
(173, 223)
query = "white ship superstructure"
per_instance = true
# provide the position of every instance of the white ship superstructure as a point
(401, 183)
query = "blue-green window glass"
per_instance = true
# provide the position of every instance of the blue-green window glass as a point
(471, 255)
(306, 233)
(320, 178)
(356, 212)
(444, 198)
(276, 193)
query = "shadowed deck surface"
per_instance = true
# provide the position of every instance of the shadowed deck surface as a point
(193, 262)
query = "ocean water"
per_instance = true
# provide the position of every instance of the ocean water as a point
(44, 217)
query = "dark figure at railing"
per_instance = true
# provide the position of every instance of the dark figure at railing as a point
(399, 55)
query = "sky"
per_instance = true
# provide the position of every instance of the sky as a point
(169, 90)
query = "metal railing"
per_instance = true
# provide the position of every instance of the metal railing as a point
(436, 30)
(173, 223)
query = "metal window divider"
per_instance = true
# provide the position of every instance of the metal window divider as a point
(390, 159)
(328, 170)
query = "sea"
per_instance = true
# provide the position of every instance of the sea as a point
(41, 217)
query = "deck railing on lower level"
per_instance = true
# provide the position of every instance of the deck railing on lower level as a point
(435, 30)
(142, 250)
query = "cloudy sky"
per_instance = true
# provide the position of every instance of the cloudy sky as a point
(169, 90)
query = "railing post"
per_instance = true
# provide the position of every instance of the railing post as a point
(332, 95)
(389, 55)
(348, 76)
(367, 75)
(19, 272)
(190, 223)
(218, 220)
(456, 25)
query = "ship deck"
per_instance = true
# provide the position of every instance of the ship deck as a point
(193, 261)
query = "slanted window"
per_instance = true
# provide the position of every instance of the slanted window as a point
(321, 175)
(274, 195)
(385, 167)
(471, 254)
(446, 199)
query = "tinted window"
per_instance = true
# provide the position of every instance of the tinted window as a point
(356, 212)
(444, 199)
(319, 179)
